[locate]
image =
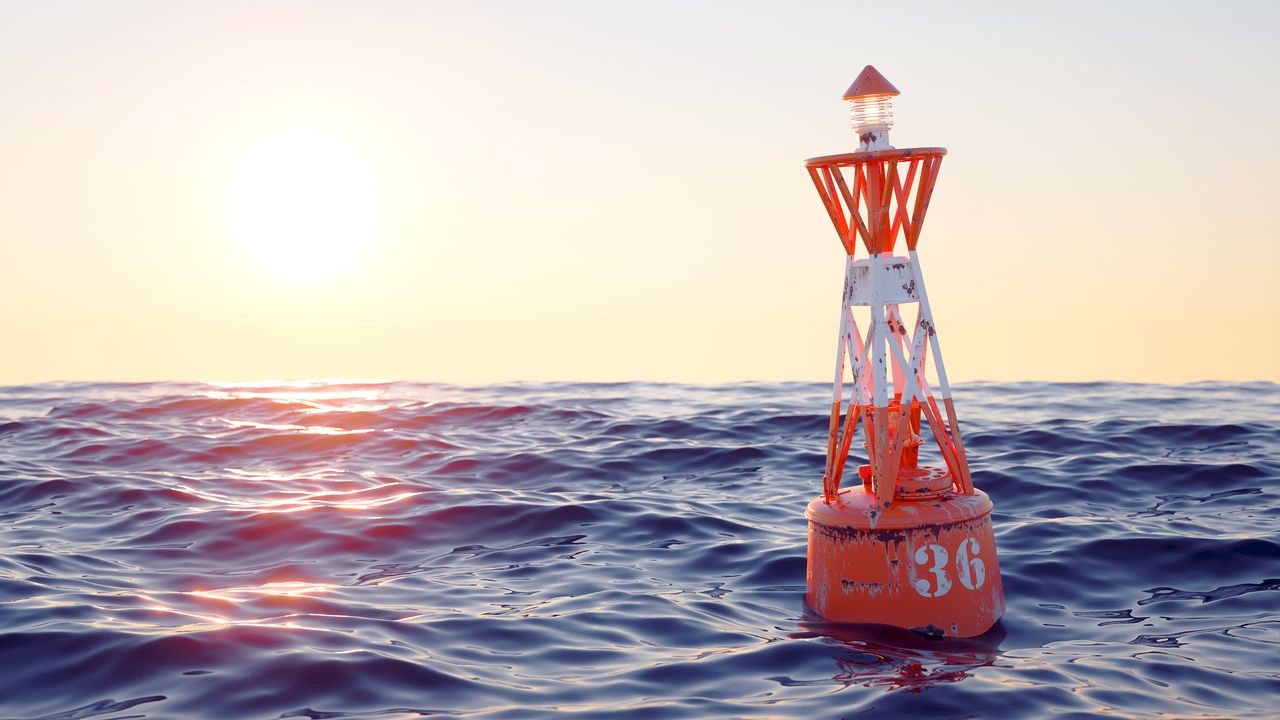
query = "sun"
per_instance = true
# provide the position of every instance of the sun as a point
(303, 204)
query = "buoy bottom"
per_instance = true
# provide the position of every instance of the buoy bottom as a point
(929, 565)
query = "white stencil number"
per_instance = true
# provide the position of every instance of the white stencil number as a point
(942, 583)
(969, 567)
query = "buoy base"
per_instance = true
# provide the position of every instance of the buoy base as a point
(919, 564)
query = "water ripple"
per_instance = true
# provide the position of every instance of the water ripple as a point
(347, 549)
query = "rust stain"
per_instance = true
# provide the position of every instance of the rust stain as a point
(853, 586)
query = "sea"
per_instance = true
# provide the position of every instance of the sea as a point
(388, 550)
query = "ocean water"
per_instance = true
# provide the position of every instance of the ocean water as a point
(399, 550)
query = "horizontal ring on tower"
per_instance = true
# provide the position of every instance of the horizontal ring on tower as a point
(860, 157)
(880, 280)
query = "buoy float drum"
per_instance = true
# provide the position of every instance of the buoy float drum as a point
(926, 561)
(908, 545)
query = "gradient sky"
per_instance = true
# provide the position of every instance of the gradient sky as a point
(608, 191)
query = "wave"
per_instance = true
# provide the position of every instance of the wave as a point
(375, 549)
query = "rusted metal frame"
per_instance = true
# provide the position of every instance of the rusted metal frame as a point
(858, 349)
(902, 193)
(943, 440)
(827, 477)
(961, 456)
(861, 183)
(872, 193)
(923, 193)
(909, 394)
(879, 468)
(957, 442)
(933, 408)
(852, 415)
(842, 452)
(927, 311)
(883, 486)
(927, 405)
(868, 156)
(963, 478)
(834, 424)
(926, 402)
(855, 219)
(880, 409)
(859, 199)
(832, 200)
(842, 224)
(935, 416)
(857, 361)
(939, 432)
(889, 176)
(921, 205)
(920, 323)
(836, 220)
(899, 375)
(859, 191)
(869, 435)
(924, 362)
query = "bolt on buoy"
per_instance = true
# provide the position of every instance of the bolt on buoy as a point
(907, 545)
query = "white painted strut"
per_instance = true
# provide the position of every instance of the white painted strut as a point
(888, 366)
(944, 387)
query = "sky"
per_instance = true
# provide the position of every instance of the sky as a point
(616, 191)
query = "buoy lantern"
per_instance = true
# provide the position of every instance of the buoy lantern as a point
(903, 544)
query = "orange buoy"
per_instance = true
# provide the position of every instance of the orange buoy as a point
(909, 545)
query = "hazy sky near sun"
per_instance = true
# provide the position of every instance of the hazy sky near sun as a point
(606, 191)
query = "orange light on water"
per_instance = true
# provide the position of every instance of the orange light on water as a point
(241, 606)
(272, 589)
(306, 429)
(331, 393)
(296, 498)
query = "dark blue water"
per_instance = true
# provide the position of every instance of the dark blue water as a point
(185, 550)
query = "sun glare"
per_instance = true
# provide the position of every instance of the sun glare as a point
(303, 204)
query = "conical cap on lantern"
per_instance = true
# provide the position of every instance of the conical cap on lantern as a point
(870, 83)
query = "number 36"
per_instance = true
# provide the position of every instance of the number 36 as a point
(969, 567)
